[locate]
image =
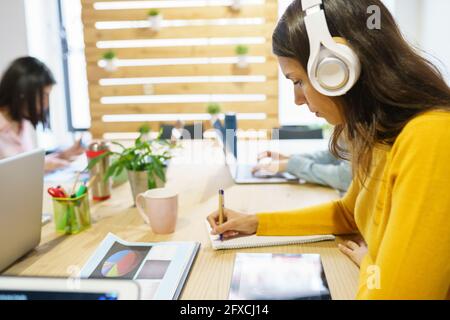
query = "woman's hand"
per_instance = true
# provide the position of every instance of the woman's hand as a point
(355, 250)
(275, 163)
(75, 150)
(235, 224)
(54, 163)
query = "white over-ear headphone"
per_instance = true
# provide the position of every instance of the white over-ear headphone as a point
(333, 67)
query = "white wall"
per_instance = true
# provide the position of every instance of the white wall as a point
(435, 33)
(390, 4)
(13, 33)
(409, 17)
(425, 24)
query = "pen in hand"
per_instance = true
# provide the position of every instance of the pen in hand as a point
(221, 209)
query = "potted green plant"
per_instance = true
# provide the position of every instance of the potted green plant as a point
(214, 110)
(241, 52)
(155, 19)
(145, 162)
(110, 59)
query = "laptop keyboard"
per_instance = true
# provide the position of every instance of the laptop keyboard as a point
(244, 171)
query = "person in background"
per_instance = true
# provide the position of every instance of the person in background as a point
(177, 131)
(319, 167)
(24, 103)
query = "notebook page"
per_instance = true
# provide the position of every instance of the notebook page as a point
(261, 241)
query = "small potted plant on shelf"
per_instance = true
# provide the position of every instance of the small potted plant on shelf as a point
(155, 19)
(214, 110)
(145, 162)
(110, 59)
(236, 5)
(241, 52)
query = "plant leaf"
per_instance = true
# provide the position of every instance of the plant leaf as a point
(118, 144)
(110, 172)
(96, 160)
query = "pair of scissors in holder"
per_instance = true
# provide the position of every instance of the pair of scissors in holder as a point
(57, 192)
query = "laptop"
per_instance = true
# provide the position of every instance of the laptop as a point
(21, 179)
(242, 172)
(32, 288)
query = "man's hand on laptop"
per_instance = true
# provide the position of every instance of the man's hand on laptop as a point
(272, 155)
(270, 163)
(53, 163)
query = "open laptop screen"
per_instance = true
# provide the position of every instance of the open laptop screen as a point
(52, 295)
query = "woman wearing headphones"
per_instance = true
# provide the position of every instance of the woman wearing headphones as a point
(392, 108)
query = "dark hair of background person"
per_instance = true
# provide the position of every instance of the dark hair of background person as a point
(22, 90)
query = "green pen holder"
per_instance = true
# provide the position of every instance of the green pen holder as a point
(71, 215)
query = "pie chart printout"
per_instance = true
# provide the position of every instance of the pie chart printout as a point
(120, 263)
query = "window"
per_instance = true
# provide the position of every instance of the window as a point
(74, 65)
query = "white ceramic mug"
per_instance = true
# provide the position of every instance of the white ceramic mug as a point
(159, 208)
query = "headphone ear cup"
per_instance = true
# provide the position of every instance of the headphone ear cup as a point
(337, 71)
(353, 65)
(332, 73)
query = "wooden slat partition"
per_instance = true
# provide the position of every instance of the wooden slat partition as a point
(90, 15)
(268, 69)
(94, 35)
(269, 88)
(130, 25)
(98, 109)
(93, 53)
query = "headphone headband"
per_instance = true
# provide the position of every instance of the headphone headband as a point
(308, 4)
(333, 67)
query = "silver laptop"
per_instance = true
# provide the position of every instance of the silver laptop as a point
(21, 181)
(32, 288)
(242, 172)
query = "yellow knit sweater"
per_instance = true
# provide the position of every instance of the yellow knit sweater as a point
(403, 213)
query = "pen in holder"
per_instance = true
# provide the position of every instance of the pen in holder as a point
(72, 215)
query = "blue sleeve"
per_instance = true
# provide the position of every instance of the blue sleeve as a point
(321, 157)
(321, 168)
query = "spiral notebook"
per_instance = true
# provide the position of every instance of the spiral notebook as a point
(262, 241)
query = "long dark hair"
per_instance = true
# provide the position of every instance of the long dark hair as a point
(396, 82)
(22, 90)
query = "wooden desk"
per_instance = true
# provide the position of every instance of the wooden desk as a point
(196, 173)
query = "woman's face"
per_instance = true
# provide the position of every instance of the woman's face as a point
(323, 106)
(45, 100)
(47, 90)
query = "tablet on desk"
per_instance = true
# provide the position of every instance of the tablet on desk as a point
(267, 276)
(28, 288)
